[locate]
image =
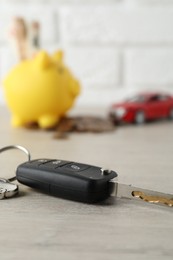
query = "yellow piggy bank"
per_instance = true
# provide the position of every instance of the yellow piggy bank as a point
(40, 90)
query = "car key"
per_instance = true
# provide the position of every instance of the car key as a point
(82, 182)
(66, 179)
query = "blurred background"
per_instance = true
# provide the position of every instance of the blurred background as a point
(114, 47)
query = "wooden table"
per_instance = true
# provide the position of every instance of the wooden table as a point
(38, 226)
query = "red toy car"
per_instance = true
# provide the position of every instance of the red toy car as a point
(143, 107)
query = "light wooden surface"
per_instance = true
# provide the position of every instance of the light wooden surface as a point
(37, 226)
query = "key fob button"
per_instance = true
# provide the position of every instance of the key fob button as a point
(37, 163)
(53, 164)
(76, 167)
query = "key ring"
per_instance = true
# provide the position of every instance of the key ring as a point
(18, 147)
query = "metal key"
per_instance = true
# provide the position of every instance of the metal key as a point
(130, 192)
(7, 189)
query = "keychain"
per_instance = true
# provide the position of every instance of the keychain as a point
(8, 189)
(75, 181)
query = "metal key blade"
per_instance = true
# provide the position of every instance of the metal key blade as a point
(130, 192)
(7, 189)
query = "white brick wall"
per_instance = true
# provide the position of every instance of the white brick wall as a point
(96, 67)
(150, 67)
(113, 46)
(117, 25)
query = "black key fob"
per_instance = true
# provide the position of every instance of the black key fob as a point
(69, 180)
